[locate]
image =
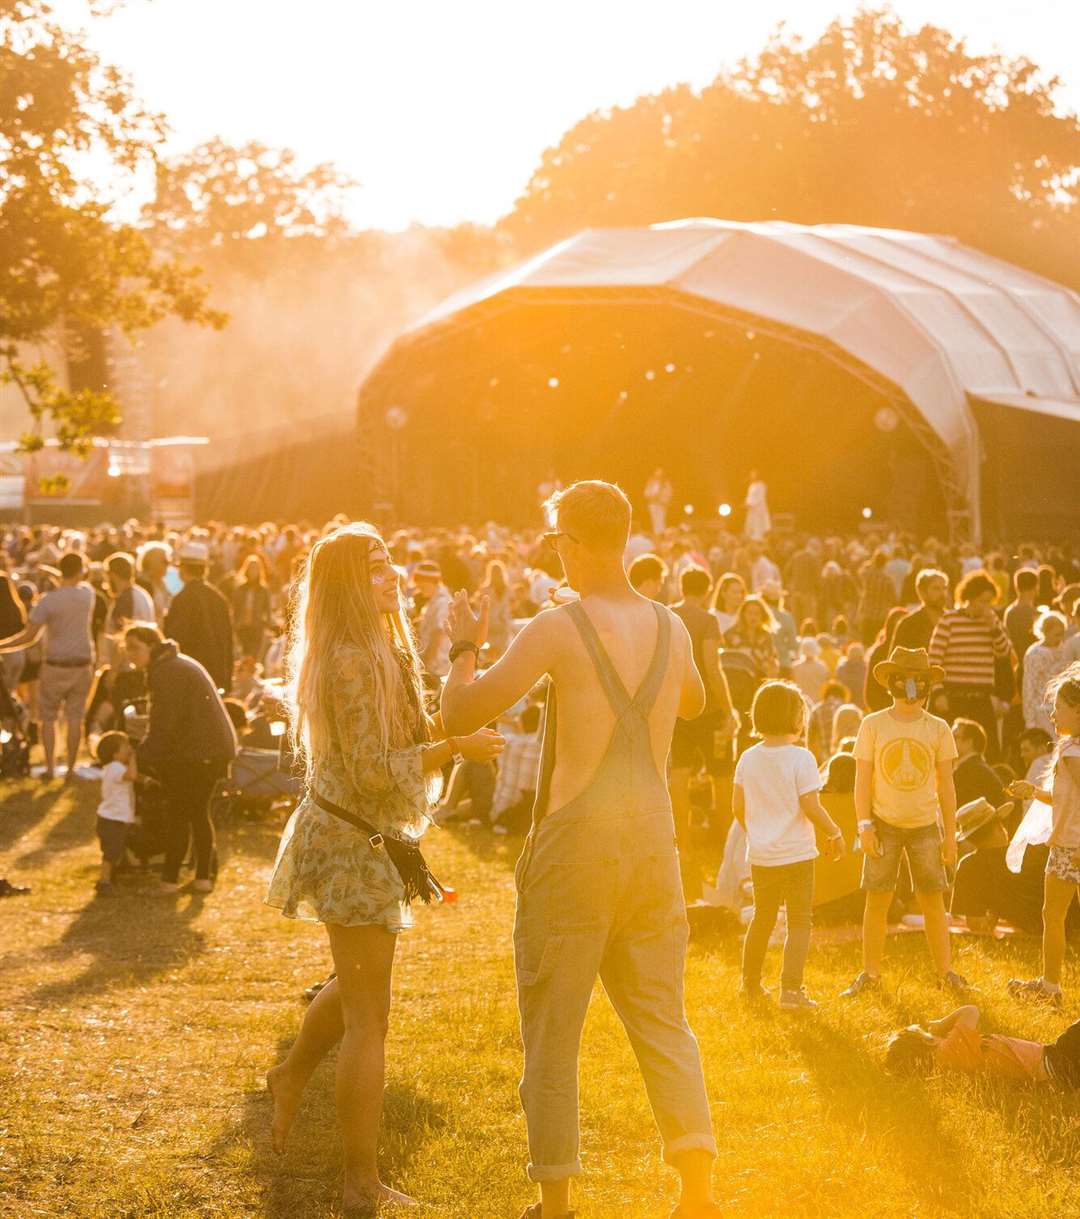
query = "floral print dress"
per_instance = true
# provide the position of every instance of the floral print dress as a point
(326, 871)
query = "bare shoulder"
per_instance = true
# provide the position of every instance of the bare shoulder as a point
(548, 629)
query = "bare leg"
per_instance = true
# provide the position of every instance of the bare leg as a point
(936, 925)
(48, 743)
(364, 960)
(555, 1196)
(695, 1168)
(321, 1030)
(874, 929)
(74, 738)
(1057, 898)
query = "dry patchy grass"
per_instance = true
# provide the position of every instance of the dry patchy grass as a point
(136, 1031)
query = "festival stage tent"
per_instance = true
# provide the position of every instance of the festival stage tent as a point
(713, 345)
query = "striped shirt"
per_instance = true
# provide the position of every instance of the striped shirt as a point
(967, 647)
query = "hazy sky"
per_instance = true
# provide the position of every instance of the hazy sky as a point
(441, 109)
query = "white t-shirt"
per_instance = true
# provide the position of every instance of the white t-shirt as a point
(117, 794)
(773, 777)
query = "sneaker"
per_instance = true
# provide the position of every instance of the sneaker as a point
(797, 1000)
(167, 888)
(862, 983)
(104, 887)
(202, 886)
(954, 982)
(1036, 990)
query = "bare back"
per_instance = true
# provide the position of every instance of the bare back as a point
(628, 633)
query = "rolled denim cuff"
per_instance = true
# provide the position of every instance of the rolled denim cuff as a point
(554, 1172)
(689, 1142)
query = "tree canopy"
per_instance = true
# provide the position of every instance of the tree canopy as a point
(68, 268)
(218, 195)
(872, 124)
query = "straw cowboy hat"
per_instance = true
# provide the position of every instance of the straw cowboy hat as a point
(908, 662)
(977, 814)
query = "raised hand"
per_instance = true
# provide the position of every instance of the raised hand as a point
(462, 625)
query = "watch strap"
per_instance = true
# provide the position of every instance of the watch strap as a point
(461, 647)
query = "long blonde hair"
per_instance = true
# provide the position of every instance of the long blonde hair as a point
(334, 614)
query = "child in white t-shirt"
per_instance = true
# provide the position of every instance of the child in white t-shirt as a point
(116, 811)
(775, 799)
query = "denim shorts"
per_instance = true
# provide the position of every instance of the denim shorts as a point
(923, 848)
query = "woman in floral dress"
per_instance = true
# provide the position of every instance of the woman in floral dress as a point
(372, 752)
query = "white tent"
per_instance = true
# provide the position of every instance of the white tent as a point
(935, 323)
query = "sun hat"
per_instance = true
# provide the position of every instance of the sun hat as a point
(427, 570)
(977, 814)
(911, 662)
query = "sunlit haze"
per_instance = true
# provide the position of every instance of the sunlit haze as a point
(441, 111)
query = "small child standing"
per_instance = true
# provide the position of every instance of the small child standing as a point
(775, 799)
(116, 812)
(1062, 881)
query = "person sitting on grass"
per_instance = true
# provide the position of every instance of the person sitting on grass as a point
(1063, 865)
(116, 812)
(775, 799)
(903, 785)
(986, 891)
(954, 1043)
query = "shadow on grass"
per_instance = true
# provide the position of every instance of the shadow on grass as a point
(856, 1092)
(307, 1179)
(132, 937)
(74, 828)
(22, 808)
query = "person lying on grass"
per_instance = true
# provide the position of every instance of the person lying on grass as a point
(954, 1043)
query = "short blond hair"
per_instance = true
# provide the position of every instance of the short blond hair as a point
(594, 513)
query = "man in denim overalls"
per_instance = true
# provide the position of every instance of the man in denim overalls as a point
(599, 891)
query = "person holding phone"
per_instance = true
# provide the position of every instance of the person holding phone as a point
(905, 804)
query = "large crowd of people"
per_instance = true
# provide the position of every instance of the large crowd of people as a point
(936, 683)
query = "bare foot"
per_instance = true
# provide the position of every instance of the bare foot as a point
(285, 1102)
(395, 1198)
(356, 1200)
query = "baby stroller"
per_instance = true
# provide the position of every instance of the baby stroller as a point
(256, 782)
(14, 739)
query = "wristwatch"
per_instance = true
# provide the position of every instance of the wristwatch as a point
(865, 825)
(455, 749)
(461, 647)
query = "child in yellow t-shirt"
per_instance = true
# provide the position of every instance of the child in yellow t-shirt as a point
(905, 805)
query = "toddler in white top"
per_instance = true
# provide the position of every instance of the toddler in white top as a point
(116, 810)
(775, 799)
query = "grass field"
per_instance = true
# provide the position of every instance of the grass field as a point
(136, 1030)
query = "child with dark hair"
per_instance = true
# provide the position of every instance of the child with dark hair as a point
(116, 811)
(955, 1044)
(775, 799)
